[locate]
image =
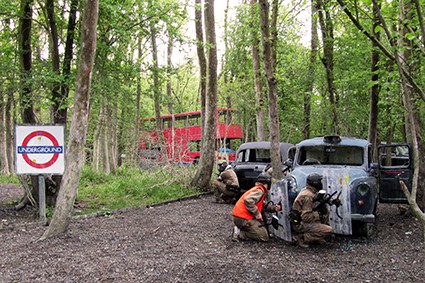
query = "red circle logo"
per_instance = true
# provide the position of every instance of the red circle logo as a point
(48, 136)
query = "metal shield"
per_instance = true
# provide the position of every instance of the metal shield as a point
(278, 194)
(338, 181)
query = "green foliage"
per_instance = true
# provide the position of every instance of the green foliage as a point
(131, 187)
(9, 179)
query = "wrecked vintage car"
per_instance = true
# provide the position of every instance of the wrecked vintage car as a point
(350, 174)
(252, 158)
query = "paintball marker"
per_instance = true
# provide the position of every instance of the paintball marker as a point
(324, 198)
(274, 218)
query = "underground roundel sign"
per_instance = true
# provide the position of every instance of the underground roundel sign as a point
(39, 149)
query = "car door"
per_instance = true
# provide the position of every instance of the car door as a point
(395, 164)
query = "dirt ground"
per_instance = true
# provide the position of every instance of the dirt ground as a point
(190, 241)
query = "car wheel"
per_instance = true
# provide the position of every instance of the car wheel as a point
(363, 229)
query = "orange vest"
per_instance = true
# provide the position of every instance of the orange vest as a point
(240, 209)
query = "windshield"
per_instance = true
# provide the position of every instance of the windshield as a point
(332, 155)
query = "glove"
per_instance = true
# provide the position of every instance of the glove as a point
(323, 211)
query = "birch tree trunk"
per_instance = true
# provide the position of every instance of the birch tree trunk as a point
(78, 130)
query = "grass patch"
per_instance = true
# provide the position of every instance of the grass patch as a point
(9, 179)
(132, 187)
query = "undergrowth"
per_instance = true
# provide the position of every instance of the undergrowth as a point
(128, 187)
(132, 187)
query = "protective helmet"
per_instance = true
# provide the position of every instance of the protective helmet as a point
(315, 180)
(222, 166)
(264, 178)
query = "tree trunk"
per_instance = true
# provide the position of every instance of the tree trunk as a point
(412, 117)
(170, 67)
(66, 66)
(328, 59)
(25, 24)
(311, 70)
(203, 174)
(3, 158)
(8, 120)
(258, 84)
(61, 90)
(97, 154)
(201, 57)
(138, 95)
(155, 75)
(79, 124)
(104, 137)
(112, 137)
(26, 95)
(58, 101)
(374, 90)
(58, 110)
(226, 73)
(268, 37)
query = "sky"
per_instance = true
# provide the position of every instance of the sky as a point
(219, 8)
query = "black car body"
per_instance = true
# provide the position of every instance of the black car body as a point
(252, 158)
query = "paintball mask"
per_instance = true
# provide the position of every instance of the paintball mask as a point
(265, 178)
(315, 180)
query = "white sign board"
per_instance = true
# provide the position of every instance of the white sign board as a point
(39, 149)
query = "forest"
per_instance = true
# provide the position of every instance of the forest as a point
(290, 69)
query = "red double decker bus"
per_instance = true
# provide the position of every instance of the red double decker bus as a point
(181, 138)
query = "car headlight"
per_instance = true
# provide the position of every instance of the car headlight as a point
(362, 189)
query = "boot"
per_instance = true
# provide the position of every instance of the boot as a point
(235, 234)
(299, 239)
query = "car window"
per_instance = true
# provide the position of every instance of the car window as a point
(254, 155)
(262, 155)
(394, 156)
(332, 155)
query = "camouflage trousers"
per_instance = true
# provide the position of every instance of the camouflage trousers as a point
(252, 229)
(313, 232)
(221, 192)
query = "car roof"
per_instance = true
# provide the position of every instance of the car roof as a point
(334, 140)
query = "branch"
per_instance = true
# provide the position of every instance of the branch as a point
(379, 44)
(365, 32)
(421, 22)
